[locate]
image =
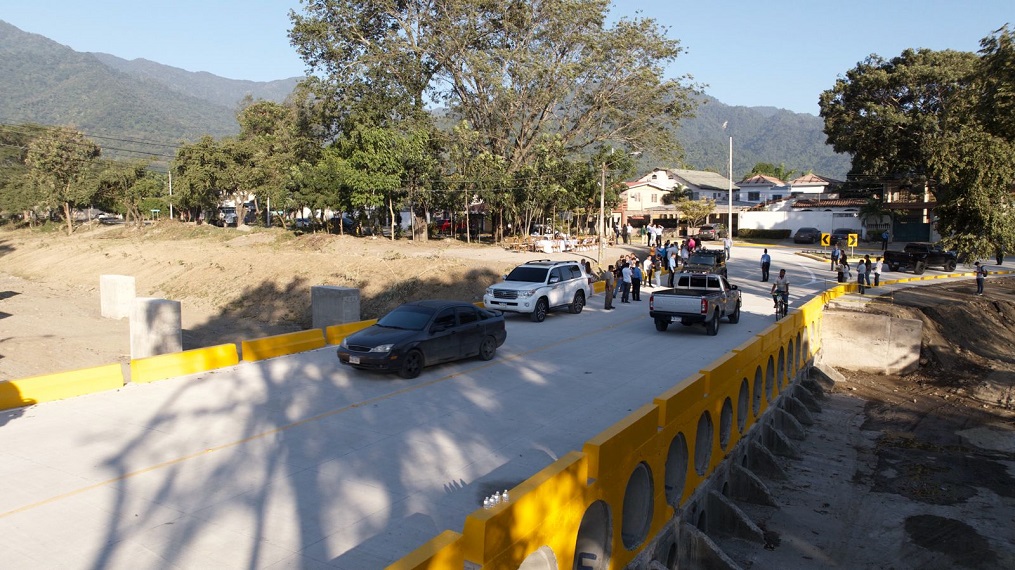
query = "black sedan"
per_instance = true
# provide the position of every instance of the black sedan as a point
(807, 235)
(423, 333)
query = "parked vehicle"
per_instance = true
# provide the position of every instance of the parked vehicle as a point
(423, 333)
(841, 235)
(696, 298)
(807, 235)
(536, 287)
(707, 261)
(711, 232)
(918, 256)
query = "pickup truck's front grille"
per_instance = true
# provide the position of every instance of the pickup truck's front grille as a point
(505, 294)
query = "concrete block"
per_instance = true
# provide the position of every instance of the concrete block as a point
(330, 305)
(156, 327)
(871, 343)
(116, 296)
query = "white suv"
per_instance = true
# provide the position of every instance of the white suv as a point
(538, 286)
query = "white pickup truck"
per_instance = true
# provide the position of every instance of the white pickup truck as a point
(696, 298)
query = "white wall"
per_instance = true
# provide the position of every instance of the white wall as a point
(824, 221)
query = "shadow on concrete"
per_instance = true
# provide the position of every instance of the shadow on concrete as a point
(306, 437)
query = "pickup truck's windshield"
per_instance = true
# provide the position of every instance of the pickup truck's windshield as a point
(528, 274)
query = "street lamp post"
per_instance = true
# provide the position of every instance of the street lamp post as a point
(602, 214)
(602, 205)
(729, 212)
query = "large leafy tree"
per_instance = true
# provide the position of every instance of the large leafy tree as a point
(58, 161)
(884, 113)
(520, 74)
(131, 189)
(928, 117)
(199, 175)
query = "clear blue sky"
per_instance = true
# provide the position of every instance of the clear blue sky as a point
(780, 53)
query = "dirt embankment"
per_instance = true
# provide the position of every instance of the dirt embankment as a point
(944, 437)
(232, 284)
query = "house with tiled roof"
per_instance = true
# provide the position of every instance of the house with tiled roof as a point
(811, 184)
(760, 188)
(643, 198)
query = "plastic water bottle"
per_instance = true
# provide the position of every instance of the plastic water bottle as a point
(496, 497)
(486, 503)
(504, 496)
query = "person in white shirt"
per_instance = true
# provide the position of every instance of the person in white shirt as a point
(861, 275)
(727, 243)
(877, 272)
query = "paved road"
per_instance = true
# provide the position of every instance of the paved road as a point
(298, 462)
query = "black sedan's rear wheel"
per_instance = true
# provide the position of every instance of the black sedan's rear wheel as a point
(488, 348)
(950, 266)
(412, 365)
(919, 268)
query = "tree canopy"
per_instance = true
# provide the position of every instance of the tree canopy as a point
(535, 86)
(941, 118)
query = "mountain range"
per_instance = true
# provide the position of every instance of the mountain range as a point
(143, 109)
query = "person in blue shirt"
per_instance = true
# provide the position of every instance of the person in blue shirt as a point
(835, 256)
(766, 263)
(636, 280)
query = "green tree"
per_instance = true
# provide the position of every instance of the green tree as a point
(921, 118)
(996, 105)
(886, 113)
(132, 189)
(695, 211)
(521, 75)
(198, 174)
(57, 160)
(769, 169)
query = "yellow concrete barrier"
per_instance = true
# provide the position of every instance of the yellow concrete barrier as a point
(165, 366)
(335, 333)
(49, 387)
(282, 344)
(544, 510)
(663, 452)
(444, 551)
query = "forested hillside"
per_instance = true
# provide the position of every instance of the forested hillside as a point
(132, 104)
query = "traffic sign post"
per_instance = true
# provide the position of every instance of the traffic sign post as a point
(826, 240)
(851, 241)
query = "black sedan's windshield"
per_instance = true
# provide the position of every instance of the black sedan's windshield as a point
(413, 318)
(528, 274)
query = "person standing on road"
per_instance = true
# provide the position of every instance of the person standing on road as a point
(766, 263)
(877, 272)
(780, 288)
(672, 266)
(1000, 255)
(625, 283)
(861, 275)
(727, 243)
(636, 280)
(835, 256)
(609, 281)
(867, 273)
(884, 240)
(981, 274)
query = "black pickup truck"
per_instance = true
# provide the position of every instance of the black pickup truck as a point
(918, 256)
